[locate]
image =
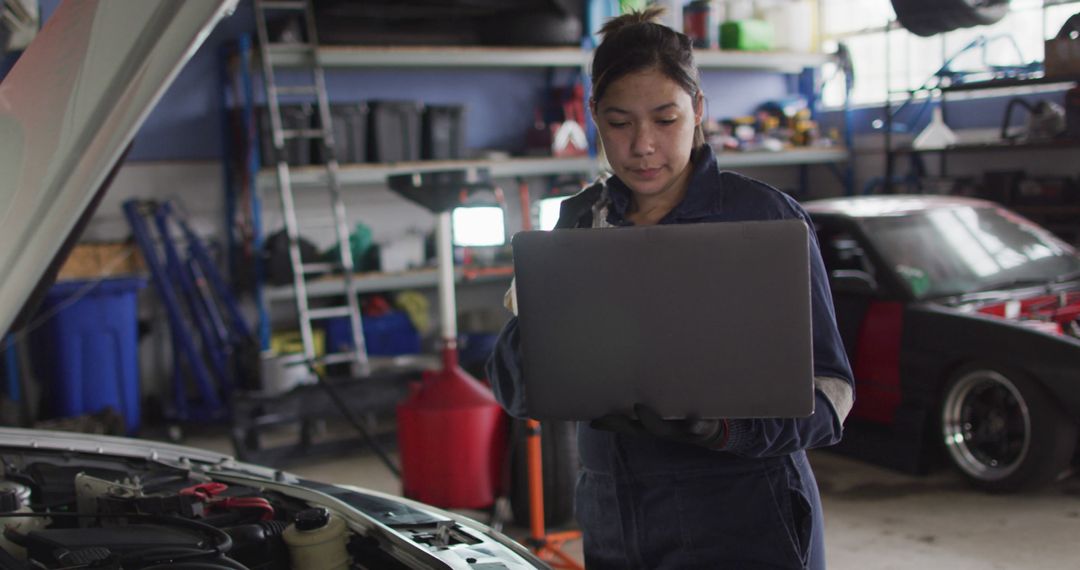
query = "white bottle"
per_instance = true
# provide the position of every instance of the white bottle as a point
(16, 499)
(317, 541)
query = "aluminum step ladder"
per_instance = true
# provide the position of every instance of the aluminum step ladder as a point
(306, 49)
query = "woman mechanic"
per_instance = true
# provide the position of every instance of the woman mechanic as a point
(657, 493)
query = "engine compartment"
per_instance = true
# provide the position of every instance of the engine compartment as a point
(1054, 313)
(76, 510)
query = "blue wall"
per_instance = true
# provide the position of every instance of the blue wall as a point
(187, 122)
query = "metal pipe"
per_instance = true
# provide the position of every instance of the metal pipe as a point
(447, 305)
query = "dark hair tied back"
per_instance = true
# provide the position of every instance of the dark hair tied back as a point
(635, 42)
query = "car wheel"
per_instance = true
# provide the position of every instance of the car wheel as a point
(1003, 432)
(559, 455)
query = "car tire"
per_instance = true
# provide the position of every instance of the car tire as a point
(559, 454)
(1003, 431)
(928, 17)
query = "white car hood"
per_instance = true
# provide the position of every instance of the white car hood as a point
(68, 110)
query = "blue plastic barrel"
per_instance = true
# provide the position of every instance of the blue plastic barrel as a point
(85, 353)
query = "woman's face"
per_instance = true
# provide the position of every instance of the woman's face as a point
(646, 122)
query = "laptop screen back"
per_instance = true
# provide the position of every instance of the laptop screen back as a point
(704, 320)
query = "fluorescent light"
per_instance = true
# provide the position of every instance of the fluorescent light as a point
(549, 211)
(478, 226)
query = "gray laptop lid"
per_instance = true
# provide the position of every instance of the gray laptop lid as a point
(708, 320)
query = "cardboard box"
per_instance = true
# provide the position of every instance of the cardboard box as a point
(94, 260)
(1062, 57)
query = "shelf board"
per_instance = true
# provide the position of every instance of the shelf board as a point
(360, 174)
(982, 147)
(788, 62)
(374, 282)
(1010, 82)
(524, 57)
(789, 157)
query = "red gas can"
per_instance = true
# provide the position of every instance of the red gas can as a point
(452, 437)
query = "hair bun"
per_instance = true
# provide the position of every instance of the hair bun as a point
(650, 15)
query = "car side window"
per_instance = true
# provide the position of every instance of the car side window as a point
(840, 250)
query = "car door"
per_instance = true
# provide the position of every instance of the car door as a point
(869, 319)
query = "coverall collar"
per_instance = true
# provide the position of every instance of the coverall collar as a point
(703, 193)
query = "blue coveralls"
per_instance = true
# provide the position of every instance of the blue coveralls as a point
(644, 502)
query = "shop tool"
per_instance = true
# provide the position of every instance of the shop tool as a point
(221, 355)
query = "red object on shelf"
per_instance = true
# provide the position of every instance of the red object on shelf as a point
(452, 436)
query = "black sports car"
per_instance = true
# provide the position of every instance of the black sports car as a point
(962, 323)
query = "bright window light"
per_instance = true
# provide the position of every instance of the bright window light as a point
(549, 212)
(478, 226)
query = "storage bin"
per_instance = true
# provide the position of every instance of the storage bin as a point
(393, 131)
(474, 349)
(350, 133)
(443, 136)
(297, 150)
(386, 335)
(85, 354)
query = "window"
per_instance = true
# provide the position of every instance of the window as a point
(895, 60)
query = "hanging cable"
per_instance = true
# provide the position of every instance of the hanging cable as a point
(369, 439)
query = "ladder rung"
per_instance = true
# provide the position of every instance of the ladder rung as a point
(296, 90)
(337, 358)
(309, 268)
(283, 4)
(293, 359)
(332, 358)
(329, 312)
(290, 47)
(302, 133)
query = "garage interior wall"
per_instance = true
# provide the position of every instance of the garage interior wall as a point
(178, 152)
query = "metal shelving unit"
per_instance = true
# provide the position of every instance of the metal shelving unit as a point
(413, 58)
(376, 282)
(361, 174)
(490, 57)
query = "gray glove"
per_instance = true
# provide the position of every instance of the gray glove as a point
(706, 433)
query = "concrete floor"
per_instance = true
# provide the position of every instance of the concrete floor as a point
(875, 518)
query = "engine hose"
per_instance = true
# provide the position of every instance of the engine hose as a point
(335, 397)
(224, 541)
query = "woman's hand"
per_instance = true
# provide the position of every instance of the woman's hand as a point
(706, 433)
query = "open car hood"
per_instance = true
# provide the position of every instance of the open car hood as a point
(69, 109)
(387, 531)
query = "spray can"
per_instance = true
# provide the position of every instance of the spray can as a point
(699, 25)
(317, 541)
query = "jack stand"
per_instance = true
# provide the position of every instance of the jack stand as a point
(547, 546)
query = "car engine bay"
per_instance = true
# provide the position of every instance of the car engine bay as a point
(1054, 314)
(72, 510)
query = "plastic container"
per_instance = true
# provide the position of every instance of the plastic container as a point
(699, 24)
(443, 136)
(15, 498)
(476, 348)
(350, 133)
(317, 541)
(86, 352)
(452, 439)
(387, 335)
(297, 150)
(393, 131)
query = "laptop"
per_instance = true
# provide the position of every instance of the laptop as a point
(704, 320)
